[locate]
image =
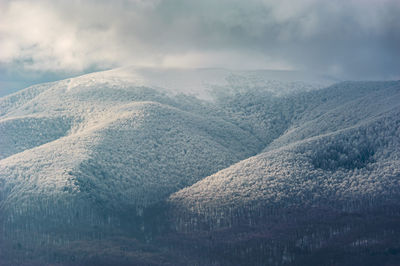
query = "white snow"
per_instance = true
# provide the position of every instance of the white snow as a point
(123, 139)
(344, 151)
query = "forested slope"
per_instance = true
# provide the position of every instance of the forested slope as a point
(329, 185)
(200, 167)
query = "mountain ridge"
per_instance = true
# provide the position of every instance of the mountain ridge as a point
(114, 153)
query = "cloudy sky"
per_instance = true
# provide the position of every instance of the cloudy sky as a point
(42, 40)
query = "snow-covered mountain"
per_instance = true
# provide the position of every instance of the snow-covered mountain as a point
(344, 150)
(135, 152)
(122, 133)
(329, 185)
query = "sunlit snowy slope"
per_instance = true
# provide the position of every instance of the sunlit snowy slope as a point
(325, 192)
(120, 140)
(345, 150)
(140, 151)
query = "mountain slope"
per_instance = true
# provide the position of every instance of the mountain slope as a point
(189, 165)
(330, 182)
(108, 147)
(97, 149)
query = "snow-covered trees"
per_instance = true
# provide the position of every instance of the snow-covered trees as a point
(116, 153)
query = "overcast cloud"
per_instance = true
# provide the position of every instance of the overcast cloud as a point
(347, 38)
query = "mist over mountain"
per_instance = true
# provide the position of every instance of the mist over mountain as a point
(156, 166)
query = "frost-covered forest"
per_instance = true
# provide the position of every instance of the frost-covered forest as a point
(200, 167)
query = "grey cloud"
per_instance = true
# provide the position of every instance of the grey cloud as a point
(353, 39)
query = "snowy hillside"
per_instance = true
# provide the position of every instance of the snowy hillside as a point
(359, 161)
(123, 138)
(104, 141)
(332, 177)
(345, 149)
(137, 152)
